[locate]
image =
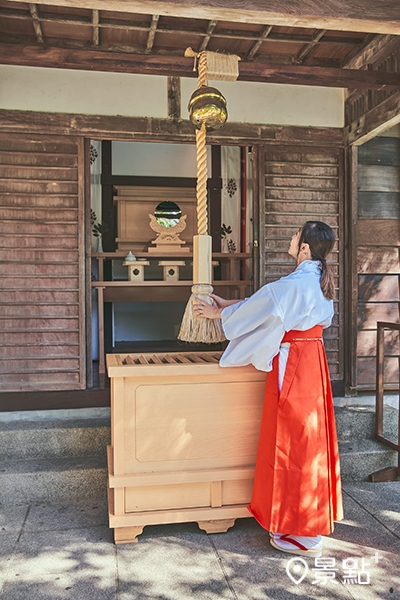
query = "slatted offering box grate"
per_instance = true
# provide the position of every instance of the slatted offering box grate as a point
(184, 435)
(192, 358)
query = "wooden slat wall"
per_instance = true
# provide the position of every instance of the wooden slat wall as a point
(378, 247)
(42, 316)
(304, 184)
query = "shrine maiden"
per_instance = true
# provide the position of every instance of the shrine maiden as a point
(297, 492)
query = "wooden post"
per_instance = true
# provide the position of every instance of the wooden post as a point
(380, 351)
(174, 98)
(389, 473)
(100, 316)
(202, 269)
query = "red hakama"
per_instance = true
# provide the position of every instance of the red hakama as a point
(297, 486)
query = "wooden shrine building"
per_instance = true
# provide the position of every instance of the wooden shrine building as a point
(315, 112)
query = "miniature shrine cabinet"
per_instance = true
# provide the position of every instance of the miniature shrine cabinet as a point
(184, 435)
(135, 204)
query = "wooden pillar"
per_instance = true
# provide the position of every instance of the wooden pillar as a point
(100, 314)
(108, 215)
(107, 205)
(174, 98)
(214, 191)
(258, 217)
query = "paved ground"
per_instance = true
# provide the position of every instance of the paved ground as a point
(57, 551)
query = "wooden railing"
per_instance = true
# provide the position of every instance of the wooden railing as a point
(389, 473)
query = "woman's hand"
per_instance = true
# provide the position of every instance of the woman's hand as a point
(207, 311)
(214, 310)
(220, 302)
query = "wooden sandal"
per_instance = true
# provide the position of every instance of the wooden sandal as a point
(298, 547)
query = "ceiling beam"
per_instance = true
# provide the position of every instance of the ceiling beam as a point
(36, 23)
(380, 16)
(210, 30)
(147, 129)
(95, 24)
(175, 66)
(377, 120)
(376, 47)
(308, 47)
(152, 32)
(264, 34)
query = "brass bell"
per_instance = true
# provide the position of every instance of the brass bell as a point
(207, 105)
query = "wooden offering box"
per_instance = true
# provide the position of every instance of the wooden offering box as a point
(184, 435)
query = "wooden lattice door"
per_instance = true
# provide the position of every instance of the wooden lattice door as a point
(42, 322)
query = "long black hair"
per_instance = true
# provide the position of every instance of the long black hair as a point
(321, 239)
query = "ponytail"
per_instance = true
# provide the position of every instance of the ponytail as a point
(321, 239)
(327, 282)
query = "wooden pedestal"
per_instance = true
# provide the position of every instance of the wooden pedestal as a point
(136, 269)
(184, 436)
(171, 269)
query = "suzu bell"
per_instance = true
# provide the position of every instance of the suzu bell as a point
(207, 105)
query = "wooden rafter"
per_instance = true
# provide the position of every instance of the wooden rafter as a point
(210, 30)
(227, 34)
(317, 36)
(374, 122)
(356, 55)
(381, 16)
(96, 31)
(36, 23)
(152, 32)
(374, 48)
(266, 30)
(14, 54)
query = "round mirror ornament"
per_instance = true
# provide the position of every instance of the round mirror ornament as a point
(167, 214)
(207, 105)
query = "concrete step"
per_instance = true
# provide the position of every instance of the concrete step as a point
(52, 456)
(51, 434)
(360, 458)
(54, 434)
(52, 480)
(358, 422)
(64, 479)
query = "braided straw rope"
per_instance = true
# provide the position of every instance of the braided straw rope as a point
(193, 328)
(201, 158)
(201, 184)
(202, 76)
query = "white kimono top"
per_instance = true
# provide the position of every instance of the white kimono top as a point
(255, 326)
